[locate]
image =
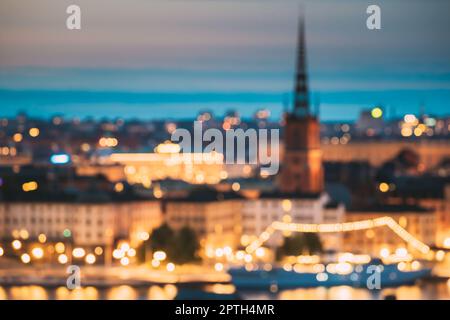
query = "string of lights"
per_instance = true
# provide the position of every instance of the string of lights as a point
(339, 227)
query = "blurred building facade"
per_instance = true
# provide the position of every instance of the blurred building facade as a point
(216, 217)
(378, 152)
(258, 214)
(418, 221)
(84, 224)
(168, 162)
(226, 219)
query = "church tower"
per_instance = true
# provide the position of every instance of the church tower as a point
(302, 170)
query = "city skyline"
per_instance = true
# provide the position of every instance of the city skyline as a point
(182, 57)
(124, 179)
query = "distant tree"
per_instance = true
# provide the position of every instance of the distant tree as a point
(140, 252)
(162, 238)
(180, 247)
(406, 162)
(185, 247)
(312, 243)
(298, 244)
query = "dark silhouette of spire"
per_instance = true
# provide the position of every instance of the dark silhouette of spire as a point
(302, 171)
(301, 98)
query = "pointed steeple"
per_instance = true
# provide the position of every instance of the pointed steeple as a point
(301, 98)
(302, 170)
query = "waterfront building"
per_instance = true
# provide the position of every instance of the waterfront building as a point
(441, 205)
(226, 219)
(214, 216)
(259, 213)
(418, 221)
(87, 223)
(428, 191)
(430, 152)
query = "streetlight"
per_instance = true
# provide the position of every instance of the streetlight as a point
(124, 261)
(42, 238)
(25, 258)
(37, 252)
(62, 258)
(78, 252)
(90, 258)
(16, 244)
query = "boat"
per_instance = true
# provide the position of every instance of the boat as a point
(374, 275)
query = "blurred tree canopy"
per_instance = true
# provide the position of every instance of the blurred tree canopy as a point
(181, 247)
(301, 243)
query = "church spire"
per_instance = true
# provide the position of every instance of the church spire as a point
(301, 98)
(302, 170)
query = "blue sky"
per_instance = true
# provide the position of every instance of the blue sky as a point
(165, 59)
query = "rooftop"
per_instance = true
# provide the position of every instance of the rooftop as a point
(390, 208)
